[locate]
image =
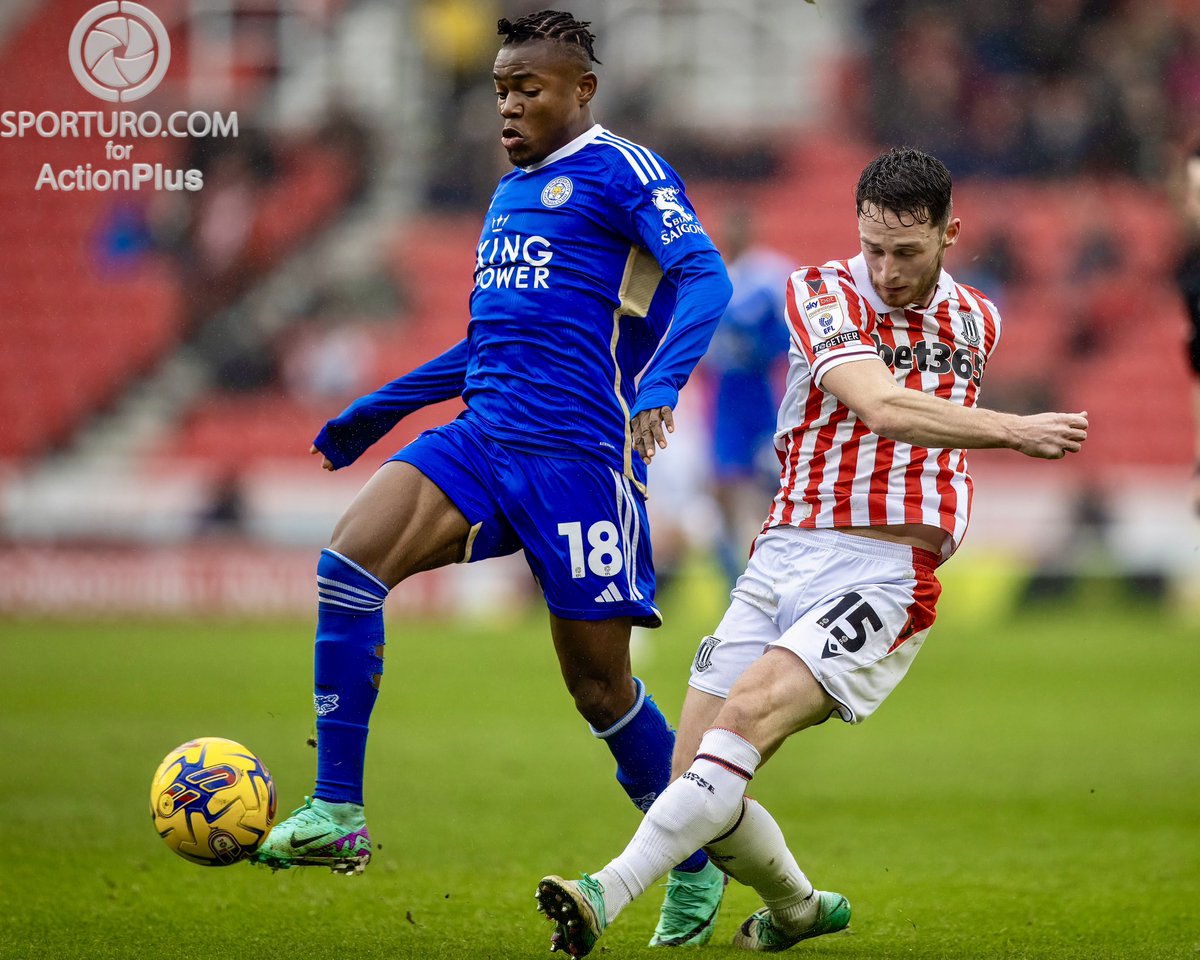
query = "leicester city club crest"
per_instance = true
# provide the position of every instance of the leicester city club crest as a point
(557, 192)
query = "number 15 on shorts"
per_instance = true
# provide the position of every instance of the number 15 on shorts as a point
(603, 556)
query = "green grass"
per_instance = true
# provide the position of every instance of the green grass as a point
(1032, 790)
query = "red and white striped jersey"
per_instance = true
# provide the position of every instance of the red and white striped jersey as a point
(836, 472)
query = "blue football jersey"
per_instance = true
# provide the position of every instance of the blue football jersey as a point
(577, 272)
(596, 293)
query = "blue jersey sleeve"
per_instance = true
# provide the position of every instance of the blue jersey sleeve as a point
(704, 289)
(345, 438)
(663, 221)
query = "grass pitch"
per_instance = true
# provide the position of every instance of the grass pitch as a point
(1032, 790)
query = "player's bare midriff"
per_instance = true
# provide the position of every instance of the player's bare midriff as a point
(913, 534)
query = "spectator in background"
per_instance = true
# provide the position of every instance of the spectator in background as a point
(1035, 87)
(213, 227)
(224, 513)
(1189, 284)
(124, 237)
(327, 360)
(458, 48)
(750, 345)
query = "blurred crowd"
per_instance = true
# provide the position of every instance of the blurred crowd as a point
(1041, 88)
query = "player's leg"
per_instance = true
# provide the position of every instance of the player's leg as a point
(755, 853)
(699, 712)
(594, 659)
(585, 533)
(776, 697)
(769, 698)
(872, 606)
(593, 656)
(740, 637)
(720, 659)
(692, 901)
(584, 529)
(399, 524)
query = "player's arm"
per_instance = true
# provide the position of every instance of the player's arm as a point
(866, 386)
(344, 438)
(703, 292)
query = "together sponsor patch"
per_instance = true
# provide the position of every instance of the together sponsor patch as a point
(849, 336)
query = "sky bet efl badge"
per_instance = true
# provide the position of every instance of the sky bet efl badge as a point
(824, 315)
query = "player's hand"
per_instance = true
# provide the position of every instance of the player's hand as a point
(325, 462)
(650, 429)
(1051, 436)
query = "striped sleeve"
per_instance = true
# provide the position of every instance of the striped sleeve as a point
(827, 320)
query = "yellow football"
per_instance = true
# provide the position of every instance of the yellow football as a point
(212, 801)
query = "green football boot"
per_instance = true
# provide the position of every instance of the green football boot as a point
(319, 834)
(576, 908)
(760, 932)
(689, 911)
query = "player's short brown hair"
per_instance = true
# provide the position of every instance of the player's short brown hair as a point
(909, 182)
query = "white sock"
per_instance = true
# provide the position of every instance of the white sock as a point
(755, 853)
(703, 803)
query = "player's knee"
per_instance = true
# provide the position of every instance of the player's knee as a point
(344, 582)
(601, 700)
(776, 697)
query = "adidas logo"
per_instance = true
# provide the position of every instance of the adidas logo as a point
(610, 595)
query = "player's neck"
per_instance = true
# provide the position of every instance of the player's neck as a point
(582, 125)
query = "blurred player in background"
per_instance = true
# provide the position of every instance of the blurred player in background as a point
(1189, 285)
(596, 292)
(749, 346)
(887, 358)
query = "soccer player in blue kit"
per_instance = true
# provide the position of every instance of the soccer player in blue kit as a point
(750, 344)
(596, 293)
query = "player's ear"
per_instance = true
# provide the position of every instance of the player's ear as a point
(950, 237)
(585, 88)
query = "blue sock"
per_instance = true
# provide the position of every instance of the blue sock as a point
(642, 742)
(348, 666)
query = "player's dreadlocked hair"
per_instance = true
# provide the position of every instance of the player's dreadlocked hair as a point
(549, 25)
(912, 184)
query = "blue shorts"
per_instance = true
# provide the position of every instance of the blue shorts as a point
(581, 523)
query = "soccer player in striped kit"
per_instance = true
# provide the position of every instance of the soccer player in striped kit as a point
(886, 362)
(596, 292)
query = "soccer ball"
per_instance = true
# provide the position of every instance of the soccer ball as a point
(212, 801)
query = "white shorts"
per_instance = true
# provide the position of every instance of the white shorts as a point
(855, 610)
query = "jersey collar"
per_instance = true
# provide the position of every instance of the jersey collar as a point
(862, 282)
(567, 149)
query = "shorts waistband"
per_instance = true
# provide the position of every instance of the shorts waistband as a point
(857, 546)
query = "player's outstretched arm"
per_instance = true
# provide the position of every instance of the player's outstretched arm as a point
(344, 438)
(910, 416)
